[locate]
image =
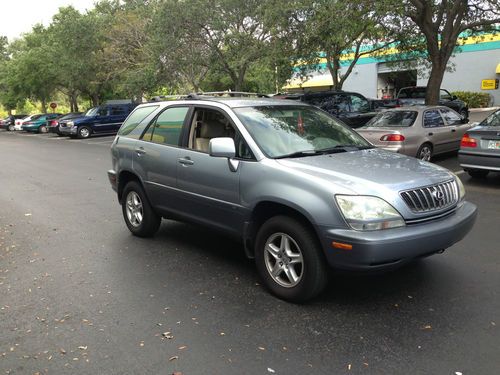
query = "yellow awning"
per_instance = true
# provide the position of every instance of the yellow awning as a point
(498, 69)
(315, 81)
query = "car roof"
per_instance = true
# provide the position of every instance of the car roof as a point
(417, 108)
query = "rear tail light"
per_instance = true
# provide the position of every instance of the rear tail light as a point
(393, 138)
(467, 141)
(53, 123)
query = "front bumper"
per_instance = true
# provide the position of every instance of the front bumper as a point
(393, 247)
(490, 162)
(68, 131)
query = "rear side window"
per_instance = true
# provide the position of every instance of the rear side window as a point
(359, 104)
(393, 118)
(452, 118)
(118, 111)
(167, 128)
(130, 127)
(433, 119)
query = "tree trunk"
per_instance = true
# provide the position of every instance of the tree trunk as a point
(95, 100)
(434, 83)
(44, 106)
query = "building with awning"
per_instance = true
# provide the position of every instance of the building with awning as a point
(377, 76)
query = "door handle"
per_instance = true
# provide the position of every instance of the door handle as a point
(431, 133)
(453, 130)
(185, 161)
(140, 151)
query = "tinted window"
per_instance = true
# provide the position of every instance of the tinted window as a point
(118, 111)
(331, 103)
(130, 126)
(451, 117)
(492, 120)
(103, 111)
(393, 118)
(433, 119)
(359, 104)
(413, 93)
(444, 95)
(167, 127)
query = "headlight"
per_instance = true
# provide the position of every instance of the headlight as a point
(70, 124)
(368, 213)
(461, 188)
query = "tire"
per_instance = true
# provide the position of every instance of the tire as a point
(303, 246)
(43, 129)
(11, 128)
(139, 216)
(478, 173)
(84, 132)
(424, 152)
(463, 112)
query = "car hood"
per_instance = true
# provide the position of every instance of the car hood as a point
(369, 172)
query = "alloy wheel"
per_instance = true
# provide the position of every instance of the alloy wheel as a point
(134, 209)
(284, 260)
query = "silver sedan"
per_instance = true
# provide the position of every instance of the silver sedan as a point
(420, 131)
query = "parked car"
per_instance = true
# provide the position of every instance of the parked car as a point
(19, 122)
(419, 131)
(415, 95)
(480, 147)
(9, 122)
(38, 124)
(105, 119)
(351, 108)
(53, 125)
(300, 189)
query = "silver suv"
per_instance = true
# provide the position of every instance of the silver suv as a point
(300, 189)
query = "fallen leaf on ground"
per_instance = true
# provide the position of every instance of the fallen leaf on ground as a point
(173, 358)
(82, 347)
(269, 369)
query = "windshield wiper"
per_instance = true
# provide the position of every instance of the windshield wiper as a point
(299, 154)
(343, 148)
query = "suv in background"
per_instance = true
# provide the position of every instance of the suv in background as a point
(415, 95)
(105, 119)
(349, 107)
(300, 189)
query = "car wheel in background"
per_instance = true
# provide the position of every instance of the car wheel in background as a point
(463, 113)
(290, 260)
(425, 152)
(478, 173)
(43, 129)
(84, 132)
(139, 216)
(11, 128)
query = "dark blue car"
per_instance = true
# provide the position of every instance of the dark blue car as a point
(105, 119)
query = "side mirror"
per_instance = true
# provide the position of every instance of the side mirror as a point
(222, 148)
(454, 97)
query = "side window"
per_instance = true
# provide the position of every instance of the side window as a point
(359, 104)
(130, 127)
(433, 119)
(117, 111)
(103, 111)
(444, 95)
(167, 127)
(451, 118)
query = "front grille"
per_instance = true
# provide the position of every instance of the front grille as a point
(431, 198)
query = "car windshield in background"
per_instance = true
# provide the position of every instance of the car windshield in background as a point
(393, 119)
(282, 131)
(492, 120)
(92, 112)
(412, 94)
(35, 117)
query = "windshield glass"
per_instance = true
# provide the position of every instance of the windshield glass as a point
(92, 112)
(492, 120)
(393, 119)
(413, 93)
(285, 130)
(35, 117)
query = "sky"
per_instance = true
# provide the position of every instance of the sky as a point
(19, 16)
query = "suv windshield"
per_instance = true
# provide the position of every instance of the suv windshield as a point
(412, 93)
(282, 131)
(92, 112)
(393, 119)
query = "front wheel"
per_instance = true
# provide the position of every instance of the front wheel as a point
(11, 128)
(289, 259)
(84, 132)
(43, 129)
(425, 152)
(139, 216)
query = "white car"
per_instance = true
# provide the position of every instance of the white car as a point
(18, 124)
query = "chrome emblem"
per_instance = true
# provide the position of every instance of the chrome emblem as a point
(438, 195)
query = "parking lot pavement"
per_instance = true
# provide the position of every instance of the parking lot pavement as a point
(79, 294)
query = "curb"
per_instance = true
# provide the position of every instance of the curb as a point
(483, 109)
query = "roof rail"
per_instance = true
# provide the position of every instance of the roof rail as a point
(160, 98)
(231, 94)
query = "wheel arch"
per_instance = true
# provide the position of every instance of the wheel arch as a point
(124, 178)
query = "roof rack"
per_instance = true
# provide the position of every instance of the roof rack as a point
(230, 94)
(160, 98)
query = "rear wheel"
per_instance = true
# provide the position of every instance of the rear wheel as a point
(425, 152)
(289, 259)
(478, 173)
(463, 113)
(11, 128)
(43, 129)
(139, 216)
(84, 132)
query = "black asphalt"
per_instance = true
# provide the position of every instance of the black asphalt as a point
(80, 295)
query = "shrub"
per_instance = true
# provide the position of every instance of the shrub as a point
(473, 99)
